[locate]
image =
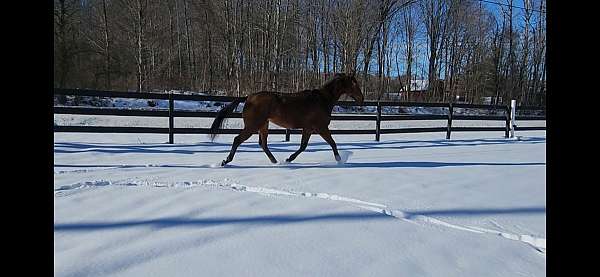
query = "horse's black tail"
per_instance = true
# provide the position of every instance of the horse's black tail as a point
(223, 113)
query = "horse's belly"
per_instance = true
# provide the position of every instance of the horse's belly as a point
(284, 123)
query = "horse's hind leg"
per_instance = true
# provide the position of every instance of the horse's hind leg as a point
(303, 144)
(243, 136)
(326, 134)
(262, 140)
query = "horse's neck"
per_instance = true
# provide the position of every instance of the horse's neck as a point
(330, 95)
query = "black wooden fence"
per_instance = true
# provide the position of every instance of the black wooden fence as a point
(171, 113)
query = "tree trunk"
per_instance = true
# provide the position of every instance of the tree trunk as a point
(107, 45)
(140, 45)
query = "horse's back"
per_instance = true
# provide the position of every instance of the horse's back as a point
(289, 110)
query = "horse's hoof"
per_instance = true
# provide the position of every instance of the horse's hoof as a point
(223, 163)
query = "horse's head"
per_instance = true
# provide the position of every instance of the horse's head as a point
(349, 85)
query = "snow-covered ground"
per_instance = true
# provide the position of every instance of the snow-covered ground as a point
(410, 205)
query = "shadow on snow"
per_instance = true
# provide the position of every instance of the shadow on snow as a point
(207, 222)
(217, 147)
(172, 222)
(476, 212)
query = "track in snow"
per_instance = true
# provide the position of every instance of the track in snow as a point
(537, 243)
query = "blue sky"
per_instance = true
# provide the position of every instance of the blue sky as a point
(421, 61)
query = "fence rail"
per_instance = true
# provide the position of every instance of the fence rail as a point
(171, 113)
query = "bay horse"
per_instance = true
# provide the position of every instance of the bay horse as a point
(309, 110)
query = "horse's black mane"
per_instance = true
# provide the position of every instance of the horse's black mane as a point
(325, 86)
(336, 77)
(322, 95)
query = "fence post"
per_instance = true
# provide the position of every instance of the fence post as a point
(171, 110)
(508, 111)
(287, 134)
(450, 111)
(378, 123)
(513, 114)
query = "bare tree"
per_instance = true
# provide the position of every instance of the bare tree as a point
(65, 32)
(461, 47)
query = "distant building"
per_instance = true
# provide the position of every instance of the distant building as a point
(418, 85)
(418, 90)
(412, 96)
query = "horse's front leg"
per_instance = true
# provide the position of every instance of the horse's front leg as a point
(305, 137)
(326, 135)
(262, 141)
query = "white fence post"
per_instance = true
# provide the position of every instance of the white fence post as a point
(513, 112)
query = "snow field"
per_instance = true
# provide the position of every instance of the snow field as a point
(410, 205)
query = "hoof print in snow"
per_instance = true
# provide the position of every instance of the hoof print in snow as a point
(344, 156)
(217, 165)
